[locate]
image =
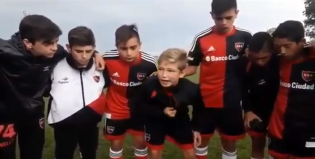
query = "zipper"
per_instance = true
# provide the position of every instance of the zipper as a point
(82, 87)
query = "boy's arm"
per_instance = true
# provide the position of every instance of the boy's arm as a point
(48, 86)
(246, 102)
(106, 77)
(198, 108)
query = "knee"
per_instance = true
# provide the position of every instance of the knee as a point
(116, 145)
(139, 142)
(155, 154)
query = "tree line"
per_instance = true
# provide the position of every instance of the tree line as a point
(309, 21)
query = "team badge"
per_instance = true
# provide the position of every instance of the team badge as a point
(239, 46)
(110, 129)
(308, 75)
(141, 76)
(41, 123)
(207, 58)
(96, 78)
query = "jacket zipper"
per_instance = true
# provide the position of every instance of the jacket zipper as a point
(82, 87)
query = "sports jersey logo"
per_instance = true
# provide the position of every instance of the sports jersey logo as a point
(110, 129)
(239, 46)
(141, 76)
(308, 75)
(96, 78)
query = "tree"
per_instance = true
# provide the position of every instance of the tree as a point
(309, 22)
(271, 30)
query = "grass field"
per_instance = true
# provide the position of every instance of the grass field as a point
(170, 151)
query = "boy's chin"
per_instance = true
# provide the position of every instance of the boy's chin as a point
(166, 84)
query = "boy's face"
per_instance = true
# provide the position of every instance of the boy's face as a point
(260, 58)
(289, 49)
(169, 74)
(225, 21)
(40, 48)
(130, 51)
(81, 54)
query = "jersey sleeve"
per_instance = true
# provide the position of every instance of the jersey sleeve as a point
(195, 53)
(247, 38)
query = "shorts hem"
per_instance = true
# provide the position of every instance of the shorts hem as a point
(252, 133)
(181, 146)
(135, 132)
(232, 137)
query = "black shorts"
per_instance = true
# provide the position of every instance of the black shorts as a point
(117, 128)
(228, 121)
(180, 134)
(264, 115)
(285, 148)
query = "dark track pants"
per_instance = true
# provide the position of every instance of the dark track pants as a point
(67, 137)
(31, 137)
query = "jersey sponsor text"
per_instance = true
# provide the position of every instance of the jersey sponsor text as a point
(296, 85)
(126, 84)
(224, 58)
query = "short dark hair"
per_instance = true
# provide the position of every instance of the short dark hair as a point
(291, 30)
(126, 32)
(218, 7)
(260, 41)
(38, 28)
(81, 36)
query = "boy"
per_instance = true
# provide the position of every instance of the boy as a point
(291, 127)
(127, 68)
(164, 100)
(218, 50)
(262, 82)
(76, 97)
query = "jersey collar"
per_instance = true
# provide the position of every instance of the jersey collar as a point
(73, 64)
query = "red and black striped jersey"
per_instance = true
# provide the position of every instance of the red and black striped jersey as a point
(125, 79)
(221, 65)
(294, 107)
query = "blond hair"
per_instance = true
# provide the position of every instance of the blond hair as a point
(174, 55)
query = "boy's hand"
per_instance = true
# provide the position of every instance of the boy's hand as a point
(99, 62)
(170, 112)
(250, 116)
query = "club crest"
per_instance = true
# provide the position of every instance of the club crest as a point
(96, 78)
(239, 46)
(110, 129)
(141, 76)
(308, 75)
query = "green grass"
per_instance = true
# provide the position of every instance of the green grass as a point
(170, 151)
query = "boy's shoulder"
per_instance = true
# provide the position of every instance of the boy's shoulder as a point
(184, 82)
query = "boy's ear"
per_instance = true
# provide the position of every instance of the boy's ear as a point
(68, 48)
(182, 74)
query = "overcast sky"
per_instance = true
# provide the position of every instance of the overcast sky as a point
(162, 23)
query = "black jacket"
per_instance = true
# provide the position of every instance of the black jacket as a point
(262, 83)
(23, 77)
(153, 99)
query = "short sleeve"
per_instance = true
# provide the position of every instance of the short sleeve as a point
(195, 53)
